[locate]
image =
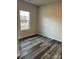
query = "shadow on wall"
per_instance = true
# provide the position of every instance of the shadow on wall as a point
(51, 21)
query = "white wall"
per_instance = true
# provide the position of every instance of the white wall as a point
(50, 21)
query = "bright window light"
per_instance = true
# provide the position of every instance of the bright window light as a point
(24, 20)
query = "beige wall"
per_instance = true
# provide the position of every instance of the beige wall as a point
(46, 18)
(50, 20)
(33, 23)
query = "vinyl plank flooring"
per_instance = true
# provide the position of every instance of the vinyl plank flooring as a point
(40, 48)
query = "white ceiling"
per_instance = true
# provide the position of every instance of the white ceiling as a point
(41, 2)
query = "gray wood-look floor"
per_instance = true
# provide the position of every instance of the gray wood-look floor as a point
(40, 48)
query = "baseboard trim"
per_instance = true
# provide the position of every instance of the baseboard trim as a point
(29, 36)
(49, 38)
(38, 35)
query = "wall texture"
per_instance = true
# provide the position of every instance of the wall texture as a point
(33, 23)
(46, 19)
(50, 20)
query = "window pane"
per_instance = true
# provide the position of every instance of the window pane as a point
(24, 20)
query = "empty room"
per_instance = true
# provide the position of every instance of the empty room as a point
(39, 29)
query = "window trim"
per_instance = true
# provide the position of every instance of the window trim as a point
(29, 20)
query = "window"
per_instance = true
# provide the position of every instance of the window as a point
(24, 20)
